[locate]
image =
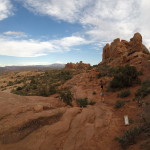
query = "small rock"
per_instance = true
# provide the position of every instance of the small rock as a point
(38, 108)
(74, 103)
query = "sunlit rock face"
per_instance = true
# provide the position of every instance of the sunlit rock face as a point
(122, 52)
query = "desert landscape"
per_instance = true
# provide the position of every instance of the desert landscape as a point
(61, 108)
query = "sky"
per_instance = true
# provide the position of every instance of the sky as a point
(41, 32)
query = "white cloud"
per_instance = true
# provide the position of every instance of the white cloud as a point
(68, 42)
(67, 10)
(6, 9)
(102, 19)
(15, 34)
(34, 48)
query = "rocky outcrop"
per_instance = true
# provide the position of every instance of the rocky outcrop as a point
(79, 65)
(123, 52)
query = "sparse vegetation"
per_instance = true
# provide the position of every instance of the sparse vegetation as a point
(119, 104)
(129, 137)
(143, 91)
(44, 84)
(104, 70)
(124, 93)
(66, 96)
(65, 75)
(124, 77)
(10, 83)
(131, 121)
(19, 88)
(44, 91)
(83, 102)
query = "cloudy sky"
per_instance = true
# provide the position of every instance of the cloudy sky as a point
(61, 31)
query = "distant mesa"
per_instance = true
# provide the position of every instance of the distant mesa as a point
(77, 65)
(121, 52)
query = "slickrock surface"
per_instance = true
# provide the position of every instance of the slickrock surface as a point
(59, 127)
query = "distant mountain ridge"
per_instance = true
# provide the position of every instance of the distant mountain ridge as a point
(32, 67)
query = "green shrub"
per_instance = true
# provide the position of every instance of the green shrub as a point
(10, 83)
(19, 88)
(44, 91)
(52, 90)
(129, 137)
(19, 92)
(119, 104)
(112, 71)
(131, 121)
(83, 102)
(66, 96)
(124, 76)
(65, 75)
(104, 70)
(143, 91)
(124, 93)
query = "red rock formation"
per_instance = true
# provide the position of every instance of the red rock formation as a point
(122, 52)
(69, 66)
(79, 65)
